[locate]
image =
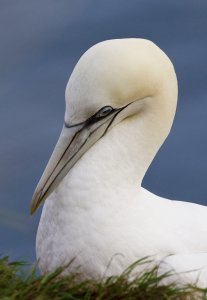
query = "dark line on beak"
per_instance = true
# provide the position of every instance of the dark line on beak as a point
(75, 125)
(109, 125)
(42, 195)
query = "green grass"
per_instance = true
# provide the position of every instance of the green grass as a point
(20, 281)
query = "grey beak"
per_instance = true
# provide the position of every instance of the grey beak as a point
(72, 144)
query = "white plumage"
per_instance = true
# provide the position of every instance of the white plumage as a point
(120, 104)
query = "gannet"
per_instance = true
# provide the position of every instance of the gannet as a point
(120, 105)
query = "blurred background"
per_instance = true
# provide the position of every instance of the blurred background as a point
(41, 42)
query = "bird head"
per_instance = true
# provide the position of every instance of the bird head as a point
(114, 80)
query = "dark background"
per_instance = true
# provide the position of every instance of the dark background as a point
(40, 42)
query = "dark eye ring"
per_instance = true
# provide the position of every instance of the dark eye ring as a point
(104, 111)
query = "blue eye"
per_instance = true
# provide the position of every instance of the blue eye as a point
(104, 111)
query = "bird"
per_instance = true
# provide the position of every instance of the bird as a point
(120, 105)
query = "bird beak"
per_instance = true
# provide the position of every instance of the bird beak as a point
(73, 142)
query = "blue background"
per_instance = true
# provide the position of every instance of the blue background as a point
(40, 43)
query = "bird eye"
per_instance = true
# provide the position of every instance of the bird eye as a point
(104, 111)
